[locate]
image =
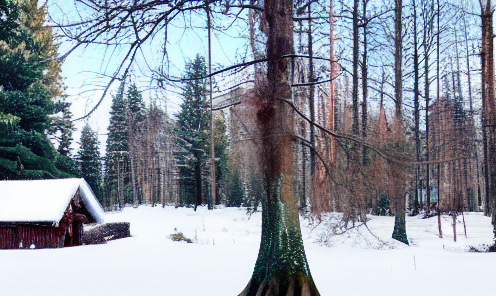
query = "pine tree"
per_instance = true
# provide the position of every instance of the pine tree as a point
(65, 126)
(193, 122)
(136, 114)
(135, 104)
(30, 81)
(220, 145)
(116, 159)
(88, 158)
(34, 17)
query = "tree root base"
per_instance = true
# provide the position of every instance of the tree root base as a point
(295, 285)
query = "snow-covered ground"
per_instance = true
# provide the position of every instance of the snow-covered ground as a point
(222, 257)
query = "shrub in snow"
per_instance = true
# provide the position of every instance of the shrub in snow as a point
(179, 236)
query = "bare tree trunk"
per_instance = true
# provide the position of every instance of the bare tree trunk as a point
(427, 29)
(398, 183)
(281, 268)
(474, 137)
(355, 67)
(311, 100)
(334, 69)
(364, 82)
(438, 98)
(416, 108)
(213, 193)
(489, 108)
(455, 203)
(438, 201)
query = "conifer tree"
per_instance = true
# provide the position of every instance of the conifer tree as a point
(116, 158)
(89, 160)
(135, 104)
(136, 114)
(66, 127)
(193, 128)
(34, 17)
(220, 145)
(27, 96)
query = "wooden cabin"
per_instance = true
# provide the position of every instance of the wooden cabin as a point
(46, 213)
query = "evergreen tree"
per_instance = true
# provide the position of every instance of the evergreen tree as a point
(89, 160)
(135, 104)
(65, 126)
(27, 94)
(136, 115)
(193, 130)
(220, 145)
(236, 191)
(33, 18)
(116, 159)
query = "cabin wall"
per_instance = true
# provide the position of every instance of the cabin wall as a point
(23, 237)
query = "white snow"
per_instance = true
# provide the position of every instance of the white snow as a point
(225, 248)
(44, 200)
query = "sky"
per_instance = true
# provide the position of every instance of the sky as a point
(82, 70)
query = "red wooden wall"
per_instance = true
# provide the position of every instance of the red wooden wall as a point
(22, 237)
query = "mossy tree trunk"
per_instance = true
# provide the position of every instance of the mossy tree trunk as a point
(281, 267)
(397, 184)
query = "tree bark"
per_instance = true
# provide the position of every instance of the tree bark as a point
(364, 82)
(334, 72)
(397, 189)
(211, 204)
(438, 78)
(281, 267)
(427, 28)
(474, 137)
(311, 100)
(489, 123)
(355, 127)
(416, 108)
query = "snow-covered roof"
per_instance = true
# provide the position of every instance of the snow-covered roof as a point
(44, 200)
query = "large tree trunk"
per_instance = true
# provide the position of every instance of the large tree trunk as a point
(397, 185)
(416, 108)
(281, 267)
(489, 123)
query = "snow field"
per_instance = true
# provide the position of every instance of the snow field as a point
(225, 248)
